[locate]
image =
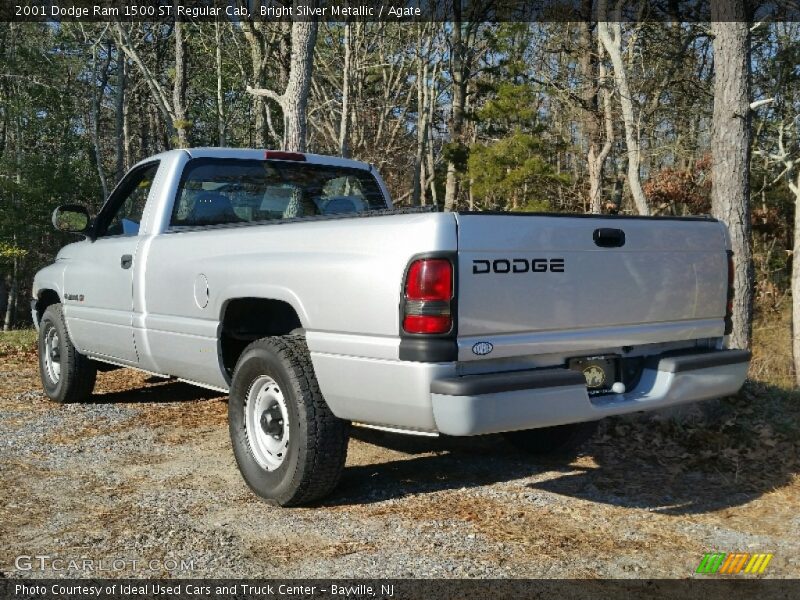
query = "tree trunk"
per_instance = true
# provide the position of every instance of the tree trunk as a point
(613, 45)
(220, 96)
(3, 296)
(179, 89)
(600, 159)
(431, 163)
(593, 72)
(591, 126)
(422, 133)
(101, 71)
(255, 40)
(3, 127)
(795, 188)
(120, 129)
(294, 99)
(459, 77)
(730, 147)
(11, 307)
(344, 122)
(304, 38)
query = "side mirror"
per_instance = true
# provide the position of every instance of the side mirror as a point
(71, 218)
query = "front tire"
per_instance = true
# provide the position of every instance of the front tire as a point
(554, 441)
(289, 446)
(67, 375)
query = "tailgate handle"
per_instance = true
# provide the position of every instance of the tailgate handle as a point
(605, 237)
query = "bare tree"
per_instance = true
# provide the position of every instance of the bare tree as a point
(424, 91)
(464, 49)
(730, 146)
(100, 69)
(344, 120)
(431, 160)
(791, 173)
(458, 75)
(12, 280)
(294, 99)
(262, 37)
(595, 90)
(12, 284)
(121, 140)
(181, 123)
(598, 161)
(220, 93)
(777, 139)
(610, 34)
(173, 112)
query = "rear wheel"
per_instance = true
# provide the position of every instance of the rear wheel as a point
(289, 446)
(558, 440)
(67, 375)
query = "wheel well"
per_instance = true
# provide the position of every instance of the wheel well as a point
(45, 299)
(248, 319)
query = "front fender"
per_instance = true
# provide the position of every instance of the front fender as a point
(49, 278)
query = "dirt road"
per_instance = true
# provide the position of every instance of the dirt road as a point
(144, 476)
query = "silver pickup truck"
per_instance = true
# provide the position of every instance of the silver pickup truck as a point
(287, 281)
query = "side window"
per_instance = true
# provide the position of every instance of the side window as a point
(123, 212)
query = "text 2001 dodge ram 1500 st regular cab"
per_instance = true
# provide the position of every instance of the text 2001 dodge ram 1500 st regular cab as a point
(287, 281)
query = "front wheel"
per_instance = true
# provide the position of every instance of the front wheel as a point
(558, 440)
(289, 446)
(67, 375)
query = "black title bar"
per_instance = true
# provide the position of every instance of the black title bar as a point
(395, 589)
(399, 11)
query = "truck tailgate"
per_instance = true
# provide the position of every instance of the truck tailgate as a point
(537, 284)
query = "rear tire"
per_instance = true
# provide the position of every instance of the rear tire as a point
(554, 441)
(289, 446)
(67, 375)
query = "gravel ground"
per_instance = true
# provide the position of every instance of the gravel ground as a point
(145, 473)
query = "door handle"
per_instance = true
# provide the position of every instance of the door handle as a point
(126, 261)
(605, 237)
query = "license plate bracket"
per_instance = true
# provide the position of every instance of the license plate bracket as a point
(600, 372)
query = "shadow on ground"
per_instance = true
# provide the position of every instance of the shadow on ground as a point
(726, 455)
(160, 391)
(431, 464)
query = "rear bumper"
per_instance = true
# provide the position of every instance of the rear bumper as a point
(491, 403)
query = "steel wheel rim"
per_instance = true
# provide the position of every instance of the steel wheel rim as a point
(52, 354)
(266, 421)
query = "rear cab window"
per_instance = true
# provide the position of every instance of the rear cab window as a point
(219, 191)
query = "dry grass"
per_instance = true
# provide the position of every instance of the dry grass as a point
(772, 349)
(19, 340)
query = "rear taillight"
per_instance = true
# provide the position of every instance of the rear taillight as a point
(729, 305)
(428, 293)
